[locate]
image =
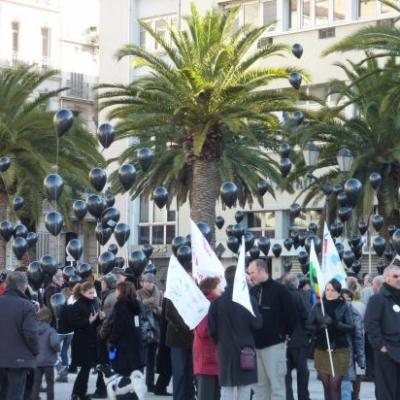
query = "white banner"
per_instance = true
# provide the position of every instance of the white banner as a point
(241, 293)
(187, 298)
(205, 262)
(331, 265)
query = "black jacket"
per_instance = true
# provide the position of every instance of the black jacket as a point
(382, 323)
(277, 309)
(339, 330)
(51, 289)
(19, 343)
(300, 336)
(178, 333)
(126, 336)
(231, 327)
(84, 342)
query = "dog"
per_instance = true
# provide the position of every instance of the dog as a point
(123, 387)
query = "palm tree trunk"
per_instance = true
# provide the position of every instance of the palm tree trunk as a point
(203, 193)
(3, 216)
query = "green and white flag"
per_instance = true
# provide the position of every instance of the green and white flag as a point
(316, 276)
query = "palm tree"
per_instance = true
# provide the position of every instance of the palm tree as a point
(371, 136)
(27, 137)
(206, 110)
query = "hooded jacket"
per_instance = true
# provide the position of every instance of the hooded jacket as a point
(49, 345)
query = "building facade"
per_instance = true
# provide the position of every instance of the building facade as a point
(316, 24)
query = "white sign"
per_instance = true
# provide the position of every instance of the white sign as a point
(241, 293)
(187, 298)
(205, 262)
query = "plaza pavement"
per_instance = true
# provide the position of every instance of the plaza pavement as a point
(63, 390)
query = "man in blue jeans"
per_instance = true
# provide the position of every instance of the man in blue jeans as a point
(18, 337)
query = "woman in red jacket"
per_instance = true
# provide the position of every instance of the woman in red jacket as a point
(205, 354)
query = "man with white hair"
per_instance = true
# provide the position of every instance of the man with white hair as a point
(377, 283)
(382, 325)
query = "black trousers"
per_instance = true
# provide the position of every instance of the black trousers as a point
(12, 383)
(48, 372)
(297, 359)
(208, 387)
(150, 364)
(387, 377)
(81, 381)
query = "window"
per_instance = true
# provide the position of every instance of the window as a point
(251, 14)
(142, 37)
(368, 8)
(321, 12)
(160, 27)
(339, 10)
(261, 223)
(269, 12)
(160, 24)
(306, 13)
(306, 217)
(15, 39)
(144, 210)
(45, 46)
(293, 14)
(385, 8)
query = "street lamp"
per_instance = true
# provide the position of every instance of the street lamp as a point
(311, 154)
(345, 159)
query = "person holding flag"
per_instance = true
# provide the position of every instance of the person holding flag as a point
(330, 324)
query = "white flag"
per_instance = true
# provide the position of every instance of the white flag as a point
(205, 262)
(187, 298)
(241, 293)
(331, 265)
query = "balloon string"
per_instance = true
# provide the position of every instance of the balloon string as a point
(10, 213)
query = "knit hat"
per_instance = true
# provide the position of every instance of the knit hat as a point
(111, 280)
(149, 278)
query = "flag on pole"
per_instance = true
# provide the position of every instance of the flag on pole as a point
(241, 293)
(317, 280)
(332, 267)
(205, 262)
(187, 298)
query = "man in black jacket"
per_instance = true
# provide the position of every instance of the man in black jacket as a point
(18, 337)
(298, 345)
(382, 325)
(278, 311)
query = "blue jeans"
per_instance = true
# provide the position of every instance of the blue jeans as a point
(347, 389)
(12, 383)
(182, 373)
(66, 340)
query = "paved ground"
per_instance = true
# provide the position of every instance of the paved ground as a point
(63, 390)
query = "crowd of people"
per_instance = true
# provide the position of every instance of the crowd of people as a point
(352, 334)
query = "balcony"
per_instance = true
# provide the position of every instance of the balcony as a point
(79, 86)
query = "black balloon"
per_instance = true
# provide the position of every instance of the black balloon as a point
(340, 249)
(54, 222)
(337, 188)
(119, 262)
(176, 243)
(103, 233)
(121, 233)
(184, 256)
(48, 264)
(79, 208)
(288, 243)
(327, 189)
(74, 279)
(297, 50)
(188, 241)
(229, 230)
(205, 230)
(160, 196)
(396, 241)
(333, 229)
(57, 303)
(379, 245)
(302, 238)
(105, 134)
(317, 243)
(348, 258)
(20, 230)
(342, 199)
(276, 249)
(339, 227)
(18, 203)
(356, 266)
(375, 179)
(392, 229)
(377, 222)
(287, 266)
(137, 262)
(150, 269)
(264, 244)
(353, 189)
(35, 275)
(63, 121)
(389, 255)
(294, 210)
(95, 205)
(254, 252)
(362, 227)
(355, 240)
(239, 215)
(31, 239)
(110, 217)
(6, 230)
(248, 240)
(229, 193)
(262, 187)
(127, 175)
(5, 163)
(285, 166)
(295, 79)
(233, 244)
(98, 178)
(109, 199)
(84, 270)
(313, 227)
(147, 250)
(344, 213)
(303, 257)
(145, 157)
(75, 249)
(219, 222)
(53, 185)
(19, 247)
(294, 235)
(69, 271)
(380, 266)
(298, 117)
(106, 262)
(284, 150)
(238, 231)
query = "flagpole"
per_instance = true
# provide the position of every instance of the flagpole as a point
(327, 340)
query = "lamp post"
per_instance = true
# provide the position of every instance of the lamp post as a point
(311, 154)
(345, 159)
